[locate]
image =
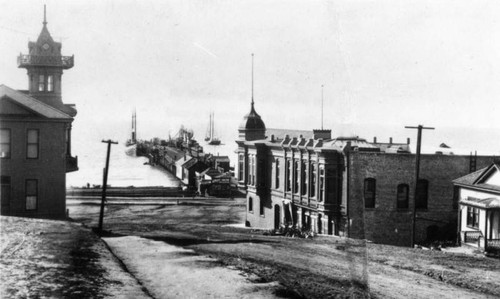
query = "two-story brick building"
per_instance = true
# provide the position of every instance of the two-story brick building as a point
(35, 135)
(346, 185)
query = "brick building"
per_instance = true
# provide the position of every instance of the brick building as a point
(35, 135)
(345, 186)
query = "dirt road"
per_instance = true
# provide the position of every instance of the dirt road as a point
(323, 267)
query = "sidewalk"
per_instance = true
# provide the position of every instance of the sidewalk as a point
(47, 258)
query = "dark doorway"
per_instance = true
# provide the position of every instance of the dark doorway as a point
(277, 218)
(330, 225)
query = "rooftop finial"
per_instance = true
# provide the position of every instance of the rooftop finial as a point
(44, 15)
(252, 80)
(322, 107)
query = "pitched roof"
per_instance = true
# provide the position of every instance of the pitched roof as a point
(31, 103)
(485, 203)
(470, 178)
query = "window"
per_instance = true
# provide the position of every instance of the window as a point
(31, 194)
(5, 143)
(321, 182)
(68, 141)
(50, 83)
(303, 180)
(421, 194)
(252, 170)
(473, 217)
(402, 196)
(369, 192)
(296, 178)
(261, 207)
(288, 179)
(277, 181)
(32, 142)
(241, 161)
(313, 180)
(251, 176)
(41, 83)
(250, 204)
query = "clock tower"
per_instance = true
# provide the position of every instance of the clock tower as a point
(45, 66)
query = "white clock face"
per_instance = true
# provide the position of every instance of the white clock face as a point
(45, 46)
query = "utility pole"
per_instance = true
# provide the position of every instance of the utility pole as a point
(417, 174)
(105, 182)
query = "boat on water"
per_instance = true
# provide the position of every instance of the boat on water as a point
(210, 137)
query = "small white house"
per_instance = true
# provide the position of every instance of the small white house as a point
(479, 208)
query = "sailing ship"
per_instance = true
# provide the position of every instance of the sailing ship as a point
(210, 136)
(132, 142)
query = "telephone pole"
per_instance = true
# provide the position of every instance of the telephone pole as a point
(105, 182)
(417, 174)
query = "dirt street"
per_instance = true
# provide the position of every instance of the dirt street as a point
(323, 267)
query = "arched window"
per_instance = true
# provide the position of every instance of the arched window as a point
(369, 192)
(422, 194)
(277, 181)
(402, 196)
(50, 83)
(250, 204)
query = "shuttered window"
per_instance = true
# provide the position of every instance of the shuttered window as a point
(32, 144)
(369, 192)
(402, 196)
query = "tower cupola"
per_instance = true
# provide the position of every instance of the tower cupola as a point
(252, 127)
(45, 65)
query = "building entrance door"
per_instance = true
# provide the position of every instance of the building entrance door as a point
(277, 216)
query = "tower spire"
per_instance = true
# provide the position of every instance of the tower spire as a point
(252, 80)
(322, 107)
(44, 15)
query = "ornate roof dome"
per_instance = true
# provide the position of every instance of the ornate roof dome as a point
(252, 121)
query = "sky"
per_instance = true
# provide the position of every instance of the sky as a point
(384, 64)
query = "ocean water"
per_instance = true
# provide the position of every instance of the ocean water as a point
(130, 171)
(125, 170)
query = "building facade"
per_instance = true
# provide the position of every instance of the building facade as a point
(346, 186)
(35, 135)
